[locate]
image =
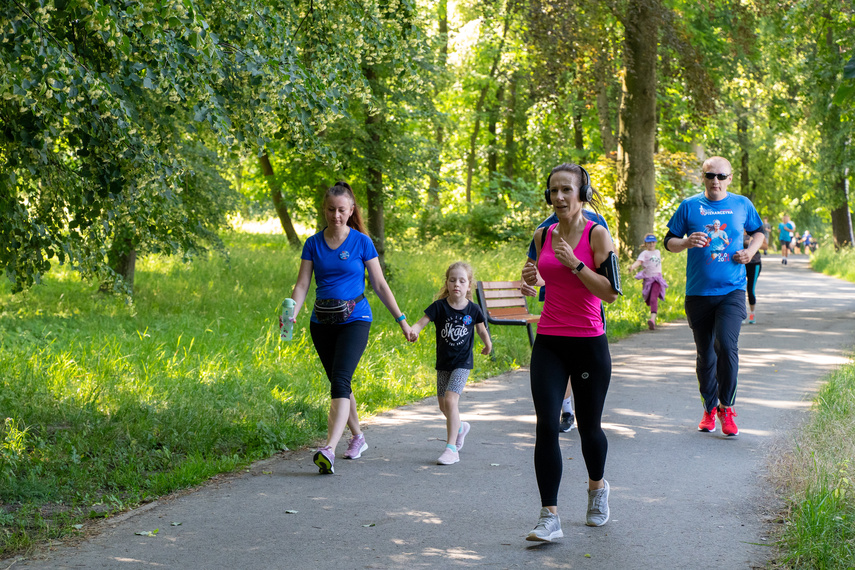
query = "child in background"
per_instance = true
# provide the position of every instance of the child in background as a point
(651, 271)
(456, 318)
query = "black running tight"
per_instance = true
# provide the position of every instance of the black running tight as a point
(752, 272)
(340, 347)
(588, 364)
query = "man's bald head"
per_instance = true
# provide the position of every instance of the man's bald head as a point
(717, 164)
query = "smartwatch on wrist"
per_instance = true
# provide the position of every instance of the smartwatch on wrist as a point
(579, 268)
(403, 317)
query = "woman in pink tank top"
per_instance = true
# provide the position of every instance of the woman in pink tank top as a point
(573, 256)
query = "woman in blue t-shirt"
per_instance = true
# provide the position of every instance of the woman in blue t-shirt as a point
(339, 256)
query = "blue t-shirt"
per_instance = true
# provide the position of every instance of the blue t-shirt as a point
(340, 273)
(786, 231)
(710, 270)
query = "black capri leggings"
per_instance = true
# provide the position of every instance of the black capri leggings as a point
(752, 271)
(340, 347)
(588, 364)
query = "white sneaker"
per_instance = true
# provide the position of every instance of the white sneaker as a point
(448, 457)
(461, 435)
(598, 506)
(548, 527)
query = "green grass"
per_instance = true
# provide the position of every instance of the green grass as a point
(817, 473)
(835, 263)
(112, 404)
(817, 476)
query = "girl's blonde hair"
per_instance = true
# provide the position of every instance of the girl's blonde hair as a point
(470, 274)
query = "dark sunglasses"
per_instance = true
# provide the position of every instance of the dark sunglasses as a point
(720, 176)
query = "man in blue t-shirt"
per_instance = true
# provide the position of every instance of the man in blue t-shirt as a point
(710, 226)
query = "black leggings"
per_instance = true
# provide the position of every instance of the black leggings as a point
(752, 271)
(340, 347)
(588, 364)
(715, 322)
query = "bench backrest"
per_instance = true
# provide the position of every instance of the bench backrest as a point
(502, 299)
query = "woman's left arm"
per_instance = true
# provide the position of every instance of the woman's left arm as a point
(381, 287)
(599, 285)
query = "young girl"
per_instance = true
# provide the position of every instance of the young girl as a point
(456, 318)
(651, 271)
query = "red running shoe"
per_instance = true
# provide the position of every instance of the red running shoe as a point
(708, 422)
(728, 426)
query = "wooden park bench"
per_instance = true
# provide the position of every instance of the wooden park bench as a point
(503, 304)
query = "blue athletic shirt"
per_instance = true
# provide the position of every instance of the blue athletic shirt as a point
(340, 273)
(710, 270)
(786, 231)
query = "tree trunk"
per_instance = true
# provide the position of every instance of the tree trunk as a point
(578, 133)
(510, 127)
(278, 200)
(122, 258)
(742, 139)
(635, 194)
(604, 108)
(321, 220)
(841, 217)
(479, 107)
(834, 146)
(439, 134)
(374, 176)
(473, 140)
(493, 150)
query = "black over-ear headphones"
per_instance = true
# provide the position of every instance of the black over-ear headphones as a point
(586, 192)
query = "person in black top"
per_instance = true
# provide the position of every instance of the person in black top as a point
(456, 318)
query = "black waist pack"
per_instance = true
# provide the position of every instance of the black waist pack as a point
(335, 311)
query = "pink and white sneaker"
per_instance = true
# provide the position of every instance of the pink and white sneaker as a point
(355, 447)
(324, 459)
(448, 457)
(461, 436)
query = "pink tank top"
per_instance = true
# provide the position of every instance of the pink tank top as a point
(570, 309)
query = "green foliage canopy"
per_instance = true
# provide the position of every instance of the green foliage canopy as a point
(98, 99)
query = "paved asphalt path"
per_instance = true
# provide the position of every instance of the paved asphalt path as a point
(680, 498)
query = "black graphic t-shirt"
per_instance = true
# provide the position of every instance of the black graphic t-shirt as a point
(455, 333)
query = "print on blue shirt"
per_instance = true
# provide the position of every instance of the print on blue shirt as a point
(710, 270)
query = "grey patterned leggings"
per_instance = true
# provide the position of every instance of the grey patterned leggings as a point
(454, 380)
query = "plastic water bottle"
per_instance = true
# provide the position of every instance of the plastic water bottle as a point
(286, 327)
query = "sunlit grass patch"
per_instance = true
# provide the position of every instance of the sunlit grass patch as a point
(837, 263)
(817, 476)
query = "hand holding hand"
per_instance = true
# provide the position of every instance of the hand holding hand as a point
(406, 330)
(413, 336)
(529, 274)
